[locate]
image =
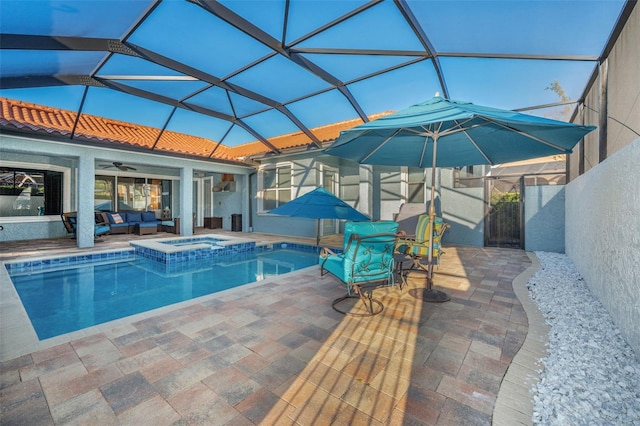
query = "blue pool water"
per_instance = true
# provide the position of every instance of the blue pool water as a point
(66, 299)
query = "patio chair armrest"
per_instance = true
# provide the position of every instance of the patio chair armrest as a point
(445, 226)
(326, 252)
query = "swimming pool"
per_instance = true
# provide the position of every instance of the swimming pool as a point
(61, 297)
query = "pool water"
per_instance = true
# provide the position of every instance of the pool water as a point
(60, 301)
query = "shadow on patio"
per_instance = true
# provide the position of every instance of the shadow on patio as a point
(416, 362)
(276, 353)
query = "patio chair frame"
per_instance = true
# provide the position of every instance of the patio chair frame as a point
(366, 274)
(410, 247)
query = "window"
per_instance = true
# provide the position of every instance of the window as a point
(133, 193)
(390, 183)
(25, 192)
(159, 194)
(104, 194)
(276, 186)
(468, 177)
(415, 185)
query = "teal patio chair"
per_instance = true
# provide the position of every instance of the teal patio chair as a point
(365, 262)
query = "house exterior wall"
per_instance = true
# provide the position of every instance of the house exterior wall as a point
(31, 227)
(375, 191)
(602, 221)
(387, 190)
(603, 236)
(464, 210)
(544, 218)
(226, 204)
(24, 151)
(305, 179)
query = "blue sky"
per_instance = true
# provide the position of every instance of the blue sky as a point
(190, 35)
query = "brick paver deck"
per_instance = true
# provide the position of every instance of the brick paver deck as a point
(275, 353)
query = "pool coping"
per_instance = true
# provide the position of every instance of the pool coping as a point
(160, 244)
(18, 337)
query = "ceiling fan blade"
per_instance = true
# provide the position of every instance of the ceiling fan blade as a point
(117, 165)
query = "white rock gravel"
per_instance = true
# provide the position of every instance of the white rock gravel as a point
(591, 375)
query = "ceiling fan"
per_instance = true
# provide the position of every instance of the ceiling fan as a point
(118, 165)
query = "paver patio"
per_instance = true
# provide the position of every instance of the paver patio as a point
(275, 352)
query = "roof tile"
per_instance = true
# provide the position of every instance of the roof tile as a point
(43, 119)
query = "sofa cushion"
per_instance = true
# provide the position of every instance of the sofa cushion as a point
(134, 217)
(115, 218)
(149, 217)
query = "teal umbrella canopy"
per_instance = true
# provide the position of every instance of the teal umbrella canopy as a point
(446, 133)
(319, 204)
(466, 135)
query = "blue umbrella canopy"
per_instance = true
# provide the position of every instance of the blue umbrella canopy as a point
(465, 134)
(319, 204)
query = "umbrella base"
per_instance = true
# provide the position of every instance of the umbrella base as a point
(431, 296)
(428, 294)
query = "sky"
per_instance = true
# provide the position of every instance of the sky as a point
(572, 33)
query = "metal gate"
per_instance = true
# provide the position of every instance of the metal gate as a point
(503, 223)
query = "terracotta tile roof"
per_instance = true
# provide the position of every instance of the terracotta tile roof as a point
(47, 120)
(324, 133)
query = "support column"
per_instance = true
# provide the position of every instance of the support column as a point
(86, 217)
(603, 114)
(186, 200)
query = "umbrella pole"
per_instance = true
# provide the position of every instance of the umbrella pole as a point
(318, 232)
(429, 293)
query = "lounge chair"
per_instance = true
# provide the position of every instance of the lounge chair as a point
(365, 262)
(416, 247)
(71, 229)
(173, 226)
(70, 221)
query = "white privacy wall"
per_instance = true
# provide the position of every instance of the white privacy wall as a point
(544, 218)
(602, 237)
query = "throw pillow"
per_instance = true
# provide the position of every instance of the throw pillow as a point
(116, 218)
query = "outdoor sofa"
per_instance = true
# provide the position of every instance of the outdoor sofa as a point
(133, 222)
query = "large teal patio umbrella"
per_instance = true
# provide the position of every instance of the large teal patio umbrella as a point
(447, 133)
(319, 204)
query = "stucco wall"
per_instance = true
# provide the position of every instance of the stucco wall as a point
(603, 236)
(226, 204)
(463, 209)
(544, 218)
(31, 229)
(305, 178)
(27, 152)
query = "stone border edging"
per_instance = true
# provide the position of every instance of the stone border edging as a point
(514, 404)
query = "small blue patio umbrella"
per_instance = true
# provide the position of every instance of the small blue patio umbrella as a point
(319, 204)
(447, 133)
